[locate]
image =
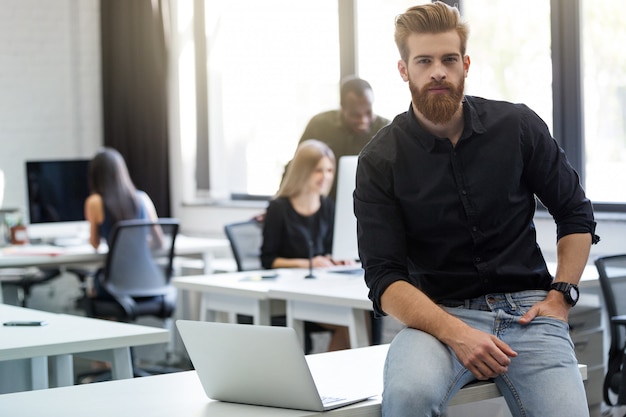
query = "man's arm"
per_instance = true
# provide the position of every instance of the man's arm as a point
(572, 254)
(481, 353)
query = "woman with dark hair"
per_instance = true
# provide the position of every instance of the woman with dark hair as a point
(113, 196)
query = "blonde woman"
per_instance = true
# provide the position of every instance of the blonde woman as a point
(298, 224)
(299, 220)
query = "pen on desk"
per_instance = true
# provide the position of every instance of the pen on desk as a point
(33, 323)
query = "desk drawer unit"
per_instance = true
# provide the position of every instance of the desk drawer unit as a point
(588, 337)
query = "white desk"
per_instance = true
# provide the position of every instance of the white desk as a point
(49, 256)
(67, 335)
(180, 394)
(331, 297)
(589, 278)
(233, 293)
(18, 256)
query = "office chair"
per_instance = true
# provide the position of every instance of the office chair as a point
(137, 273)
(245, 241)
(26, 278)
(612, 273)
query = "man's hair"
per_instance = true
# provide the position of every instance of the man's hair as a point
(435, 17)
(354, 85)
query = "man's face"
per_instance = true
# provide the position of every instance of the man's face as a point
(356, 112)
(436, 73)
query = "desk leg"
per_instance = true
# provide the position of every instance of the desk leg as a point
(121, 363)
(354, 319)
(39, 372)
(62, 370)
(263, 315)
(358, 330)
(296, 324)
(207, 258)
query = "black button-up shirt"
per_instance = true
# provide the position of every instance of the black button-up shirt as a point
(457, 222)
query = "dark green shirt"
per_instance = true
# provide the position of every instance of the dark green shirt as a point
(329, 128)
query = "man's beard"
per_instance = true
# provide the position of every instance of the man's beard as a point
(438, 108)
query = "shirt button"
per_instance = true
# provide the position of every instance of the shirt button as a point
(474, 229)
(463, 192)
(477, 259)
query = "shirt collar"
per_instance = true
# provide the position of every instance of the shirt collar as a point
(472, 124)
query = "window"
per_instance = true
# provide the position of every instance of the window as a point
(272, 65)
(377, 54)
(509, 48)
(604, 92)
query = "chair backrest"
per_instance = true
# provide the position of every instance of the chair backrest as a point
(139, 261)
(612, 274)
(245, 241)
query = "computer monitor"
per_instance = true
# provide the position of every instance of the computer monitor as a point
(344, 235)
(56, 192)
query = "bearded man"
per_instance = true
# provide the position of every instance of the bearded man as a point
(445, 199)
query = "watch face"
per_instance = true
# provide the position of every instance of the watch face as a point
(573, 293)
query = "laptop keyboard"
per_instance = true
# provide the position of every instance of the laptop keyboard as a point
(330, 400)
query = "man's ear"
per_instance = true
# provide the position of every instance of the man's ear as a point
(403, 70)
(466, 64)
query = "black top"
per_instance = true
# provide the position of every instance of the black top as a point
(457, 222)
(287, 234)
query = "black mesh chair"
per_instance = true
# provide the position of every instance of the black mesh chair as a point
(612, 273)
(245, 241)
(137, 274)
(137, 271)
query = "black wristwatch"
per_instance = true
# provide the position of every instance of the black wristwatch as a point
(570, 291)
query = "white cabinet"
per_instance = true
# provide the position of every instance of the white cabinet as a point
(586, 330)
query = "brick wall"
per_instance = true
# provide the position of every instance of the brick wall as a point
(50, 99)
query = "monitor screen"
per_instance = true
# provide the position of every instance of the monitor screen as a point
(344, 235)
(56, 190)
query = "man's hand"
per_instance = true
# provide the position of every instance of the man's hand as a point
(553, 306)
(483, 354)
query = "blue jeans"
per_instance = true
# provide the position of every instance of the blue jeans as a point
(422, 374)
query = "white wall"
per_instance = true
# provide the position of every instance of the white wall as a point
(50, 94)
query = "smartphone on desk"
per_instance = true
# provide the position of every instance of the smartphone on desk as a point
(23, 323)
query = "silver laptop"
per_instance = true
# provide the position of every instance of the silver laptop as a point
(252, 364)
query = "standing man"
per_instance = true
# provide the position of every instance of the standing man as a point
(445, 199)
(348, 129)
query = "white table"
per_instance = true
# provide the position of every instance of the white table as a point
(50, 256)
(589, 278)
(331, 297)
(18, 256)
(180, 394)
(234, 293)
(66, 335)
